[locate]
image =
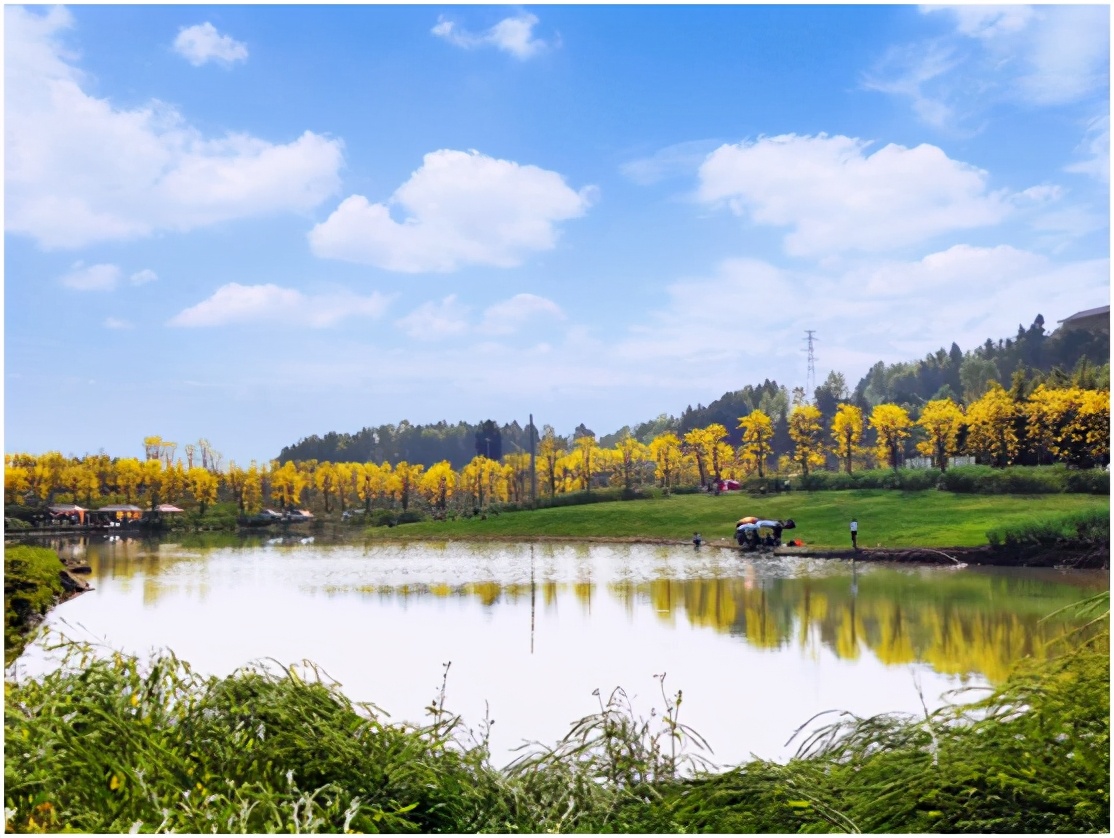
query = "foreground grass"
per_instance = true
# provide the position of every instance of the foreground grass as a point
(112, 745)
(886, 518)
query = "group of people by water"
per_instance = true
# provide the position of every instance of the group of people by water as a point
(752, 532)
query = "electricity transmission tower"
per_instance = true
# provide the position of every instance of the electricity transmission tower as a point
(810, 380)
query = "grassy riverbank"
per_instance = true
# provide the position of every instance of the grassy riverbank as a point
(119, 745)
(32, 585)
(887, 518)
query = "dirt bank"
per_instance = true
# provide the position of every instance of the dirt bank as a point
(1066, 555)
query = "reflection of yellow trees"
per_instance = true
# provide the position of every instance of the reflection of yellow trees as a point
(897, 628)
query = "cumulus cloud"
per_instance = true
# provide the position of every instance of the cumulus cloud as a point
(234, 303)
(436, 320)
(514, 35)
(202, 43)
(83, 277)
(80, 170)
(509, 316)
(836, 197)
(460, 208)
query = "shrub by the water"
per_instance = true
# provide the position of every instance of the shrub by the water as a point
(1025, 480)
(1081, 529)
(906, 479)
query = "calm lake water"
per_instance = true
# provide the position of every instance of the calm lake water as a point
(758, 645)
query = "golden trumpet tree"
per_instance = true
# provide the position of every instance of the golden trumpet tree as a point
(129, 475)
(438, 483)
(807, 432)
(630, 457)
(404, 482)
(550, 450)
(287, 484)
(479, 477)
(1071, 423)
(152, 480)
(758, 435)
(665, 450)
(203, 487)
(17, 480)
(942, 419)
(588, 451)
(991, 427)
(892, 423)
(516, 473)
(847, 433)
(252, 498)
(173, 482)
(343, 482)
(702, 444)
(325, 480)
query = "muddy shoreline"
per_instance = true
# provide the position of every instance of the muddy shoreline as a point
(1083, 557)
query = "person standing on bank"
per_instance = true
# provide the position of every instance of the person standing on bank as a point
(854, 534)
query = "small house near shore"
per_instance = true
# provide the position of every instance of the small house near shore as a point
(68, 511)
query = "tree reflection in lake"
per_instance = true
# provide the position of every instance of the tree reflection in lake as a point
(758, 645)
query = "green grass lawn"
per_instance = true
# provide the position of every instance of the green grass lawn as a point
(886, 517)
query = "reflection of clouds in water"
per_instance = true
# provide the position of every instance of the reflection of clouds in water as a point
(744, 638)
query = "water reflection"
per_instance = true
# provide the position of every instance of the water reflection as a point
(535, 628)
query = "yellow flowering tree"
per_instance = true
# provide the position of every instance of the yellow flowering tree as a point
(847, 433)
(941, 419)
(992, 427)
(758, 436)
(438, 483)
(665, 450)
(807, 432)
(891, 423)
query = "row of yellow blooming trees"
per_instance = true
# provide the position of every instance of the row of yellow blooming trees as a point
(1067, 424)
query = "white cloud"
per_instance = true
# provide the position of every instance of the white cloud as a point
(987, 21)
(914, 71)
(510, 315)
(896, 310)
(116, 323)
(514, 35)
(202, 43)
(1034, 55)
(91, 277)
(80, 170)
(143, 277)
(679, 159)
(836, 197)
(461, 208)
(436, 320)
(1068, 54)
(234, 303)
(1095, 150)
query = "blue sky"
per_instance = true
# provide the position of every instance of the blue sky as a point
(256, 223)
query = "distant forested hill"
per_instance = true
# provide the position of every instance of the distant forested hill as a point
(1018, 364)
(425, 444)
